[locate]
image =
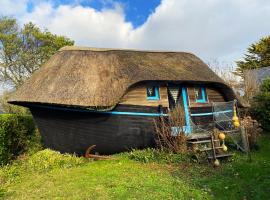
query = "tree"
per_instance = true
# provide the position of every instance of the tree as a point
(225, 70)
(24, 50)
(257, 56)
(261, 105)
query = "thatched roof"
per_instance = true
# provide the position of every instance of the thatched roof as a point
(91, 77)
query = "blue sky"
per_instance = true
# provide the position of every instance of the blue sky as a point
(136, 11)
(219, 30)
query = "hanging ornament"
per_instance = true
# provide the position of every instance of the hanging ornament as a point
(224, 147)
(235, 119)
(216, 163)
(221, 136)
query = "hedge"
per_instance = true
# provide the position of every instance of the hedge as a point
(261, 105)
(15, 131)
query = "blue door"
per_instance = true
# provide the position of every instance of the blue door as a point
(178, 96)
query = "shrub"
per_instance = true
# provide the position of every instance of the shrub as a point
(253, 130)
(47, 160)
(170, 135)
(41, 162)
(15, 132)
(261, 105)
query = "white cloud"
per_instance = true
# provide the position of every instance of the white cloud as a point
(212, 29)
(13, 7)
(87, 26)
(209, 28)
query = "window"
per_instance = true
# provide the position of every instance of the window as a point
(200, 94)
(152, 92)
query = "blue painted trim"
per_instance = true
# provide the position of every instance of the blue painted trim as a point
(175, 130)
(210, 113)
(187, 117)
(157, 97)
(137, 114)
(104, 112)
(203, 99)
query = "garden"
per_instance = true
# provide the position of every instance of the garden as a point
(140, 174)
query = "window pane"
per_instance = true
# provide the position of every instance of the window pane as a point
(151, 91)
(199, 93)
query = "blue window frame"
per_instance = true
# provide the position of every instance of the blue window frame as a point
(200, 94)
(152, 93)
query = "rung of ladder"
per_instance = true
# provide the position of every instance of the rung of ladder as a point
(208, 149)
(231, 131)
(202, 141)
(221, 156)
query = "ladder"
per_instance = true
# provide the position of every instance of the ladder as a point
(210, 145)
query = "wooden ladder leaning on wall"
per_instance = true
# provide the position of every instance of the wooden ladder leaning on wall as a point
(211, 145)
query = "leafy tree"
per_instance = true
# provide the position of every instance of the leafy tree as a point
(257, 56)
(261, 105)
(24, 50)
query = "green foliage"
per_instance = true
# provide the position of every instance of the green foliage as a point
(39, 162)
(25, 49)
(261, 105)
(12, 109)
(34, 143)
(47, 160)
(258, 55)
(15, 131)
(153, 155)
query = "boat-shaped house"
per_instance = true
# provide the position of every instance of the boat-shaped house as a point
(109, 97)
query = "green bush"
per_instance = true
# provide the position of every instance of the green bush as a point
(47, 160)
(39, 162)
(15, 132)
(261, 105)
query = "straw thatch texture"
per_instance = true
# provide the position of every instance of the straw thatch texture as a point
(87, 77)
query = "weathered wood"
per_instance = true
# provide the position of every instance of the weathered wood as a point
(191, 94)
(73, 131)
(244, 138)
(213, 95)
(136, 95)
(201, 120)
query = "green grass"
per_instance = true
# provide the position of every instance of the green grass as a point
(242, 179)
(137, 175)
(113, 179)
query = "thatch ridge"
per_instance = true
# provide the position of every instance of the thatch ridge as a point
(80, 48)
(98, 78)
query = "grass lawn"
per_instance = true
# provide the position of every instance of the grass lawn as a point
(55, 176)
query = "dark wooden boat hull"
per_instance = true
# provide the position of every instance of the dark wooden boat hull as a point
(73, 131)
